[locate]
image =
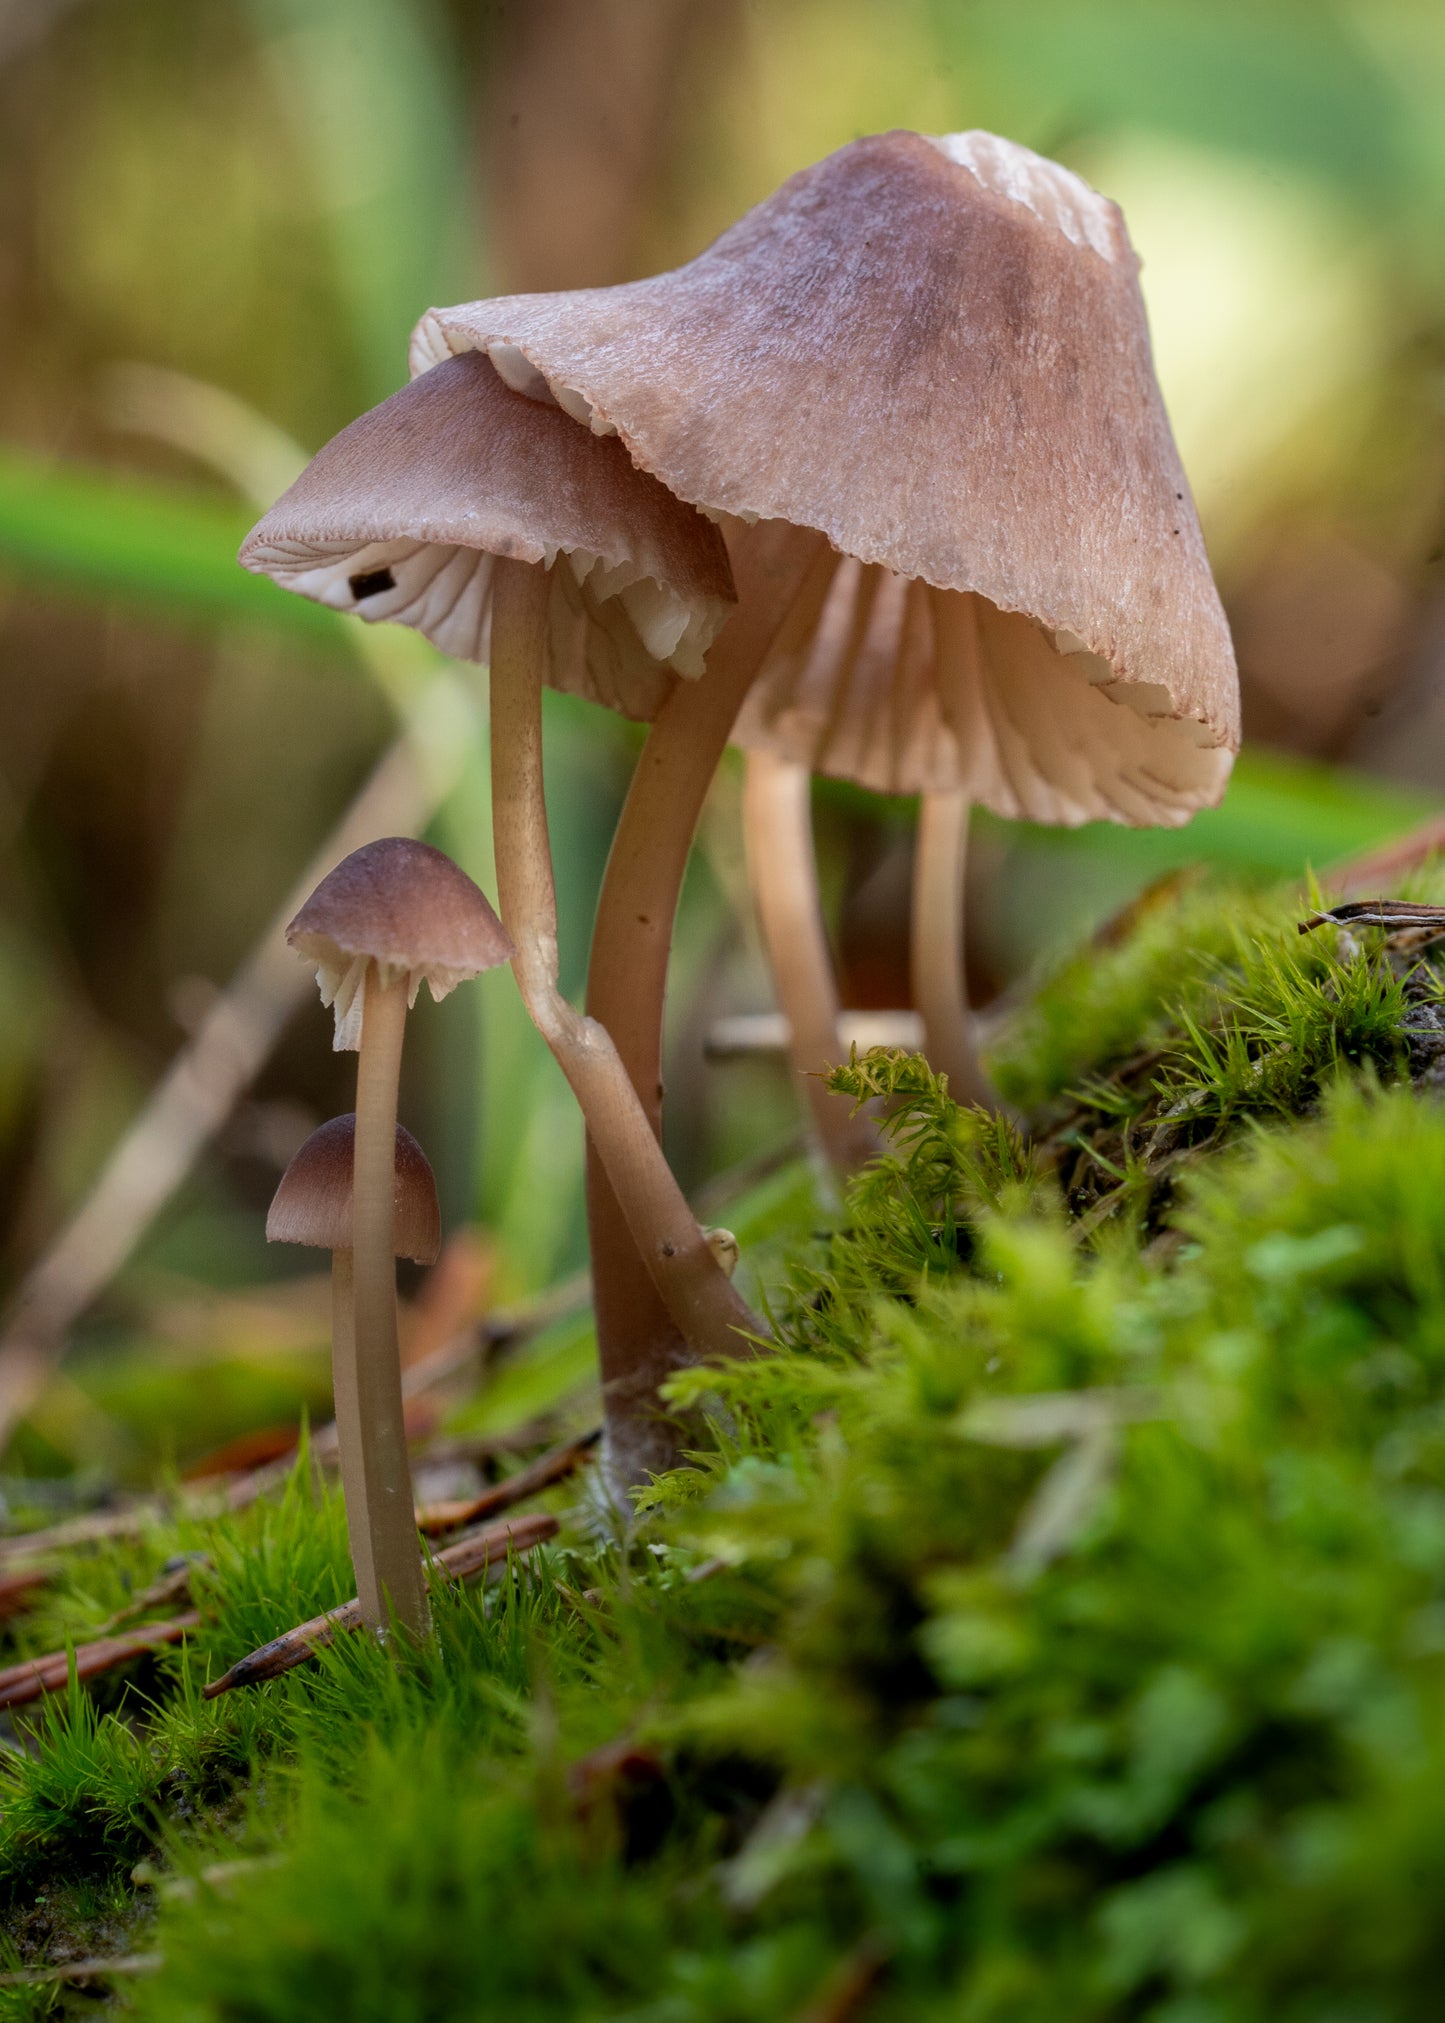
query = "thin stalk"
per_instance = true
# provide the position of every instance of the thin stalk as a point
(783, 873)
(387, 1515)
(711, 1316)
(638, 1344)
(940, 991)
(346, 1411)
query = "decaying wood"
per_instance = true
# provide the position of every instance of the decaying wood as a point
(485, 1554)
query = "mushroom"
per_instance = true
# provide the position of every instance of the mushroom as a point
(506, 532)
(392, 913)
(932, 354)
(313, 1205)
(783, 875)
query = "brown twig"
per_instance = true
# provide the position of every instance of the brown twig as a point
(435, 1518)
(18, 1590)
(33, 1678)
(507, 1326)
(1390, 860)
(847, 1989)
(93, 1529)
(1396, 914)
(485, 1553)
(170, 1589)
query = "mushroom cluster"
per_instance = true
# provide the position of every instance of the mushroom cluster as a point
(391, 915)
(879, 485)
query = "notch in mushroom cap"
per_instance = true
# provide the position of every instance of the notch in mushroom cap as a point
(935, 353)
(312, 1203)
(407, 908)
(402, 515)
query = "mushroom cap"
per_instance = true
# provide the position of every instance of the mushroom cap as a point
(401, 515)
(312, 1205)
(407, 908)
(935, 353)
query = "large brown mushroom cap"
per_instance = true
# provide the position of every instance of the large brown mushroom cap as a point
(312, 1205)
(409, 909)
(936, 354)
(400, 517)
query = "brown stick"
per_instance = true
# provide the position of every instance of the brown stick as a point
(33, 1678)
(707, 1310)
(553, 1466)
(936, 957)
(782, 870)
(18, 1590)
(638, 1344)
(1381, 866)
(486, 1554)
(93, 1529)
(846, 1992)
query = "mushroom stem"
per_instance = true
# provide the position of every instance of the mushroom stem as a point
(638, 1345)
(346, 1410)
(783, 873)
(711, 1316)
(940, 990)
(390, 1559)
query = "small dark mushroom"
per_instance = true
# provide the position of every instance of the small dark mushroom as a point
(313, 1206)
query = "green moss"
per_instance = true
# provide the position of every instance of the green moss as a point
(1052, 1625)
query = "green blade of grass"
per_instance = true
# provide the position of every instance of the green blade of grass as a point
(1279, 816)
(95, 536)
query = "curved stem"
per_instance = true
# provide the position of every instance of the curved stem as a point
(783, 873)
(940, 991)
(392, 1576)
(712, 1318)
(637, 1342)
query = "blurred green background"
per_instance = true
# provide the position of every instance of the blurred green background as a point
(220, 220)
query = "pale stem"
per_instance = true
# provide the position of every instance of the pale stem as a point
(346, 1410)
(940, 991)
(711, 1316)
(783, 873)
(637, 1342)
(387, 1515)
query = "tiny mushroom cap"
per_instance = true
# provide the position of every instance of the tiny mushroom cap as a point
(312, 1205)
(407, 908)
(402, 514)
(935, 353)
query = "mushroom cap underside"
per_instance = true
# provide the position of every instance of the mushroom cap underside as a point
(906, 689)
(403, 514)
